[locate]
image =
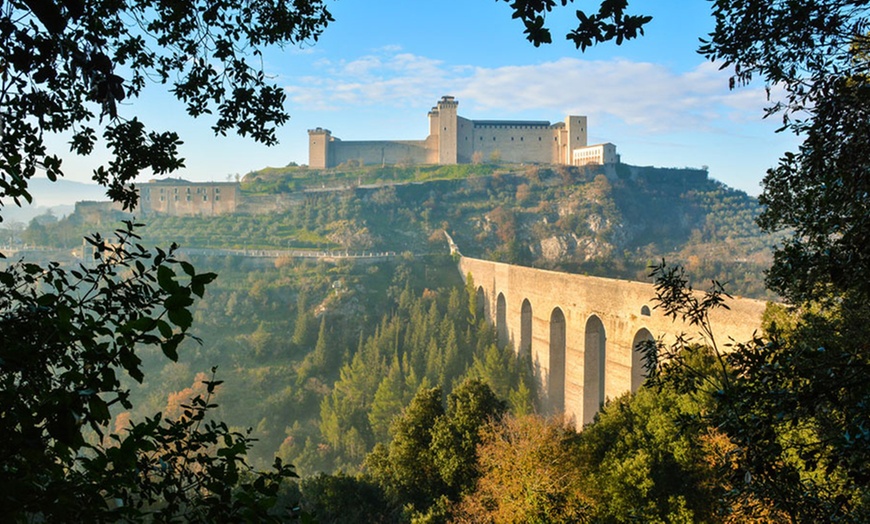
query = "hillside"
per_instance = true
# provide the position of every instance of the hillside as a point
(318, 356)
(562, 218)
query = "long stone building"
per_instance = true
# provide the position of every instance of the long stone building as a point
(456, 140)
(177, 197)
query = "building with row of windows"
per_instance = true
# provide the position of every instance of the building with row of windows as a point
(177, 197)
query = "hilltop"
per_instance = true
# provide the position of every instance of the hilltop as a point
(605, 222)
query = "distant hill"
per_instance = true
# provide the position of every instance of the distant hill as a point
(57, 198)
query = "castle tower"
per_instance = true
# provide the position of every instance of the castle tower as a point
(433, 122)
(447, 130)
(576, 131)
(318, 148)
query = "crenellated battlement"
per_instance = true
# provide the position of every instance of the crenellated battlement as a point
(453, 139)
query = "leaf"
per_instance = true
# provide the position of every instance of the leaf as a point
(99, 410)
(187, 267)
(166, 279)
(182, 318)
(170, 347)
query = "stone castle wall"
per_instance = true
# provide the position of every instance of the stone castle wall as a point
(375, 152)
(515, 143)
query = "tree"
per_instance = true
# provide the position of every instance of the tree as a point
(646, 457)
(431, 459)
(68, 334)
(817, 57)
(456, 435)
(793, 405)
(529, 472)
(407, 468)
(341, 499)
(609, 23)
(65, 335)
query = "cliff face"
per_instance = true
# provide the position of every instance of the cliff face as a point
(583, 221)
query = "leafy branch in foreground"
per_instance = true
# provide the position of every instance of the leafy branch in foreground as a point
(65, 336)
(610, 22)
(792, 404)
(62, 63)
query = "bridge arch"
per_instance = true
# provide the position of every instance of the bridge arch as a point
(501, 327)
(556, 377)
(480, 303)
(638, 373)
(525, 347)
(594, 359)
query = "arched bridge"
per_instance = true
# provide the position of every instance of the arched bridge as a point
(581, 331)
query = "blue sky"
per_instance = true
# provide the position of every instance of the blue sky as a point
(381, 65)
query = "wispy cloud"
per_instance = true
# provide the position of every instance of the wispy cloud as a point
(650, 97)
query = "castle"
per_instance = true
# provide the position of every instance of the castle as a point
(456, 140)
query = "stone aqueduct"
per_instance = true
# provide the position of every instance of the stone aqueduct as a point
(581, 331)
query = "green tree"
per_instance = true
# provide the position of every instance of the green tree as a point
(65, 338)
(817, 57)
(304, 328)
(793, 405)
(407, 467)
(388, 402)
(69, 334)
(63, 60)
(455, 436)
(342, 499)
(644, 460)
(611, 22)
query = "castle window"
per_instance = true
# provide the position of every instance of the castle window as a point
(493, 139)
(521, 139)
(217, 190)
(539, 139)
(188, 198)
(188, 191)
(176, 198)
(217, 197)
(512, 139)
(204, 198)
(481, 139)
(162, 198)
(176, 190)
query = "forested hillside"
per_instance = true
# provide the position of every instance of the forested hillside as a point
(319, 358)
